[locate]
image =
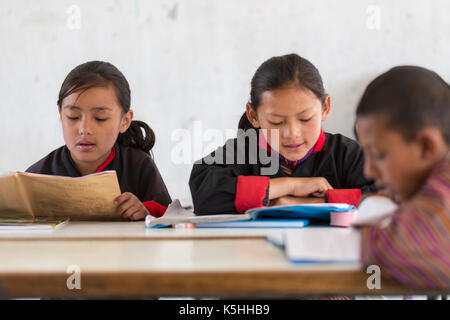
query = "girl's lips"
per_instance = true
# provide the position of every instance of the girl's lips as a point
(85, 147)
(293, 147)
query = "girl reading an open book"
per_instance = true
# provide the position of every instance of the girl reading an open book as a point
(287, 98)
(100, 134)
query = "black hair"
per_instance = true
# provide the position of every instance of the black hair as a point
(410, 98)
(101, 74)
(281, 72)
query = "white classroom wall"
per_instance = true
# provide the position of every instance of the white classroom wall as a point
(190, 62)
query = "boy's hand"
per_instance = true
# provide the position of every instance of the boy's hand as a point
(129, 206)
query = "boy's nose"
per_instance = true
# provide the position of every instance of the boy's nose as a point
(370, 170)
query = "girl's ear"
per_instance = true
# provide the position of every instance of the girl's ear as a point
(326, 108)
(126, 121)
(252, 116)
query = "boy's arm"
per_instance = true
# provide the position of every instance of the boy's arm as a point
(414, 247)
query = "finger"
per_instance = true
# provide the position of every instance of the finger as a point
(123, 197)
(141, 214)
(125, 206)
(327, 184)
(131, 211)
(323, 187)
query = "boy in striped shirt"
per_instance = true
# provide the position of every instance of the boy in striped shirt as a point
(403, 125)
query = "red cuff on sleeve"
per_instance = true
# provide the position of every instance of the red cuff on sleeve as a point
(350, 196)
(250, 192)
(155, 208)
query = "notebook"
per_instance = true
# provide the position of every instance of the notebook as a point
(266, 223)
(320, 245)
(37, 224)
(320, 211)
(176, 214)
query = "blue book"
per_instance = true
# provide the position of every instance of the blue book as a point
(264, 223)
(319, 211)
(292, 216)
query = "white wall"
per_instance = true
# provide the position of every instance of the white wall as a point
(193, 60)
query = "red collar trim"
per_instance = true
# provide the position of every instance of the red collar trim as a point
(108, 161)
(320, 142)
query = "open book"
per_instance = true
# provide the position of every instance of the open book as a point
(319, 245)
(176, 214)
(374, 210)
(35, 224)
(334, 245)
(29, 196)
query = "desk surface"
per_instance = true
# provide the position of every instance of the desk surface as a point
(168, 262)
(82, 230)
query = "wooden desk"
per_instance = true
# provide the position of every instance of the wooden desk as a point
(125, 260)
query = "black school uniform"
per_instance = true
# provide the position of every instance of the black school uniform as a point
(136, 171)
(218, 187)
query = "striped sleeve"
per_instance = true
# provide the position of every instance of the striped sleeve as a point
(414, 247)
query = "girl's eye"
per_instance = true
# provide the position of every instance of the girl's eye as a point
(275, 123)
(305, 120)
(72, 118)
(101, 119)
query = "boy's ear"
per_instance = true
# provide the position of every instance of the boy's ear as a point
(326, 108)
(433, 145)
(126, 121)
(252, 116)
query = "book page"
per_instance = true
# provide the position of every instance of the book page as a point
(12, 202)
(323, 245)
(175, 213)
(85, 198)
(34, 224)
(373, 210)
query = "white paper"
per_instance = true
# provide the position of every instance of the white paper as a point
(373, 210)
(175, 213)
(322, 245)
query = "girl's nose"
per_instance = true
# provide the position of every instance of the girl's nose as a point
(291, 130)
(85, 127)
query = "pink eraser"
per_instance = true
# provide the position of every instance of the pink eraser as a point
(342, 219)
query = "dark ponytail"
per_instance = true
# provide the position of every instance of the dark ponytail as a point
(133, 137)
(244, 123)
(280, 72)
(100, 74)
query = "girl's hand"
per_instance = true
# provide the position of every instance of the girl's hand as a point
(290, 200)
(299, 187)
(129, 206)
(316, 187)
